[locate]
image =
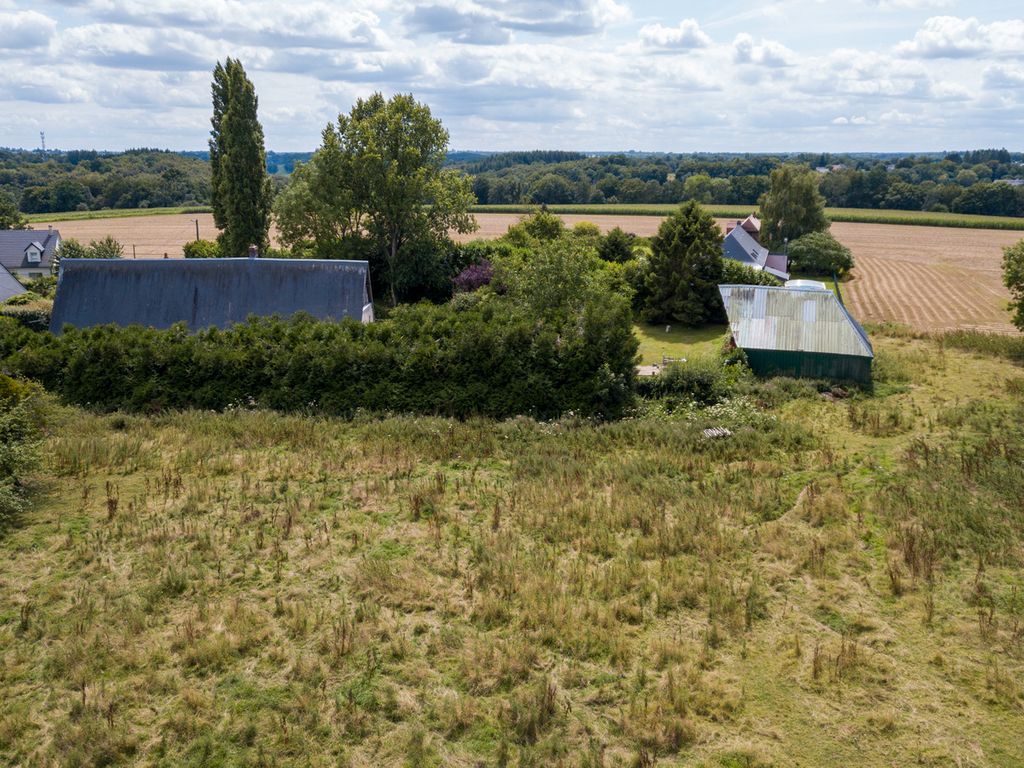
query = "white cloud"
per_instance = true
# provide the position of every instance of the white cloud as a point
(954, 37)
(1000, 76)
(908, 5)
(687, 34)
(25, 30)
(766, 53)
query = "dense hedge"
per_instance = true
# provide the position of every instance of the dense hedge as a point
(481, 357)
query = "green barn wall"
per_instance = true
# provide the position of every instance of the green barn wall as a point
(809, 365)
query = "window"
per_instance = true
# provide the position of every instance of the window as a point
(33, 256)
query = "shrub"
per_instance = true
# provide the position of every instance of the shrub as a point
(492, 358)
(201, 249)
(819, 253)
(473, 277)
(33, 315)
(735, 273)
(20, 429)
(703, 380)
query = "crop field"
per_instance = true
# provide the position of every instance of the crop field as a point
(837, 582)
(854, 215)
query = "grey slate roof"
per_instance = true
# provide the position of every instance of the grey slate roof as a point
(207, 292)
(13, 243)
(792, 319)
(9, 285)
(739, 246)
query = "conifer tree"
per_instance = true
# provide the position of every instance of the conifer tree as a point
(685, 270)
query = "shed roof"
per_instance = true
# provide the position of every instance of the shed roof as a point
(9, 285)
(14, 243)
(206, 292)
(794, 320)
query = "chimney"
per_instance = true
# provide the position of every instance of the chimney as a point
(254, 252)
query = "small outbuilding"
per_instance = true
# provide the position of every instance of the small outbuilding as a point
(204, 293)
(799, 332)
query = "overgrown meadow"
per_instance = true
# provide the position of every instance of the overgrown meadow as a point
(837, 581)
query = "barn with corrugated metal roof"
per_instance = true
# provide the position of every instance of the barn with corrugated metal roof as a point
(204, 293)
(797, 332)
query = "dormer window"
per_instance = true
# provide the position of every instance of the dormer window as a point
(33, 255)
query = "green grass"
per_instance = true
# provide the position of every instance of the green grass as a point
(678, 342)
(837, 582)
(857, 215)
(115, 213)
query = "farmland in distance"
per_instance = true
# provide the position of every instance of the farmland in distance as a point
(931, 278)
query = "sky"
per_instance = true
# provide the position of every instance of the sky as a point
(588, 75)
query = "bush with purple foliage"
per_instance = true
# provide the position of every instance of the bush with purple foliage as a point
(474, 276)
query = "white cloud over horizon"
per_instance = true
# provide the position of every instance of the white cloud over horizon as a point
(505, 74)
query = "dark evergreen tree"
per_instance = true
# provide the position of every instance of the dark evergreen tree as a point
(685, 270)
(242, 187)
(616, 246)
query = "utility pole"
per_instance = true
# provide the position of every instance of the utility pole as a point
(197, 229)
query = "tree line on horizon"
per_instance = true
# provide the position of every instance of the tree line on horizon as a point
(986, 182)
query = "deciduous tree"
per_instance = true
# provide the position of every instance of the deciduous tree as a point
(10, 216)
(792, 207)
(1013, 277)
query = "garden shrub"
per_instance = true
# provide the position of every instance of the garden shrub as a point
(703, 380)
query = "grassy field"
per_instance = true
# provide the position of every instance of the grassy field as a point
(857, 215)
(837, 582)
(678, 341)
(113, 213)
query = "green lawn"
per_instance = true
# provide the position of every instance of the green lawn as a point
(679, 341)
(115, 213)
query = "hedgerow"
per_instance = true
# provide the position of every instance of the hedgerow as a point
(488, 358)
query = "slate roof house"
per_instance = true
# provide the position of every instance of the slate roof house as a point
(800, 332)
(28, 252)
(9, 285)
(740, 246)
(205, 293)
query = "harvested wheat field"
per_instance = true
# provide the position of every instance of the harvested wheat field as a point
(145, 237)
(930, 278)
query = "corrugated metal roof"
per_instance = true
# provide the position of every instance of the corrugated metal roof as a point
(207, 292)
(9, 285)
(795, 320)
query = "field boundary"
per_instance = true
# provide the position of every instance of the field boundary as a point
(115, 213)
(848, 215)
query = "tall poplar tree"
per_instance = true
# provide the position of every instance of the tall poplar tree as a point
(219, 90)
(241, 187)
